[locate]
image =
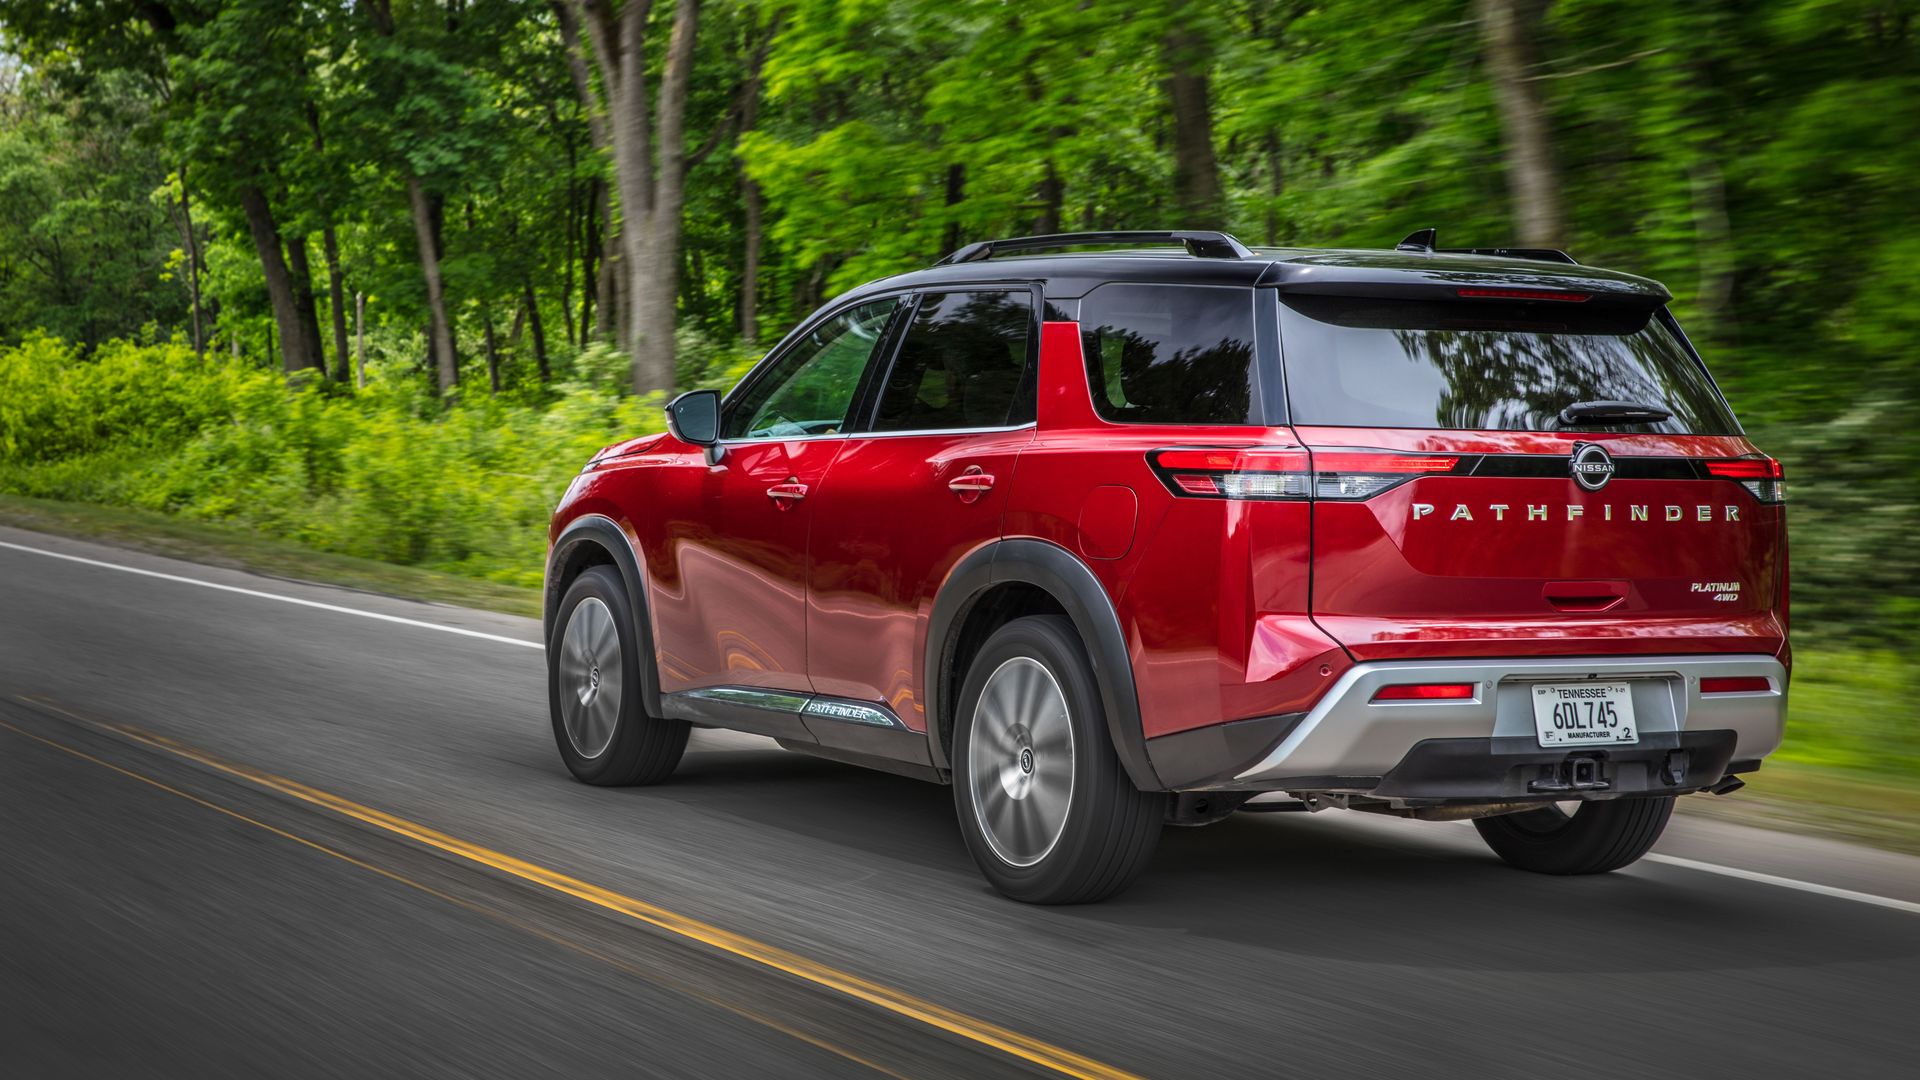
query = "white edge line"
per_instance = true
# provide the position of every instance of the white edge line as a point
(424, 625)
(1786, 883)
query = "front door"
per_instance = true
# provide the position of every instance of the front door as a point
(735, 612)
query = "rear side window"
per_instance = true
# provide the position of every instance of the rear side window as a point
(963, 363)
(1364, 362)
(1170, 354)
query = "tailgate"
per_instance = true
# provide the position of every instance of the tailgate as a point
(1506, 555)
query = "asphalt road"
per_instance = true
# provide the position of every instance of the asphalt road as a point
(246, 837)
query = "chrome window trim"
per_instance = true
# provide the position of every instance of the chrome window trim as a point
(883, 434)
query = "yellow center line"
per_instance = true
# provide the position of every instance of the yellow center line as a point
(1024, 1047)
(501, 917)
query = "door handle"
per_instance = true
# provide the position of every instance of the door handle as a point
(786, 495)
(972, 484)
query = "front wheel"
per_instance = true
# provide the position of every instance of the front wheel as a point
(593, 689)
(1045, 805)
(1594, 838)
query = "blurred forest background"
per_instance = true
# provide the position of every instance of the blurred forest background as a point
(375, 276)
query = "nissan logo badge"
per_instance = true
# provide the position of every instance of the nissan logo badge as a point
(1592, 466)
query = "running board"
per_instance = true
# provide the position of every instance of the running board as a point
(865, 728)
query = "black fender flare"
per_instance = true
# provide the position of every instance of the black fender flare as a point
(605, 533)
(1063, 576)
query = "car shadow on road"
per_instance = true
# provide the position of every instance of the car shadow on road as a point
(1427, 895)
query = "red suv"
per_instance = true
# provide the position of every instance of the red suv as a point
(1109, 540)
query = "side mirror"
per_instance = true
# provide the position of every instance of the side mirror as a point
(694, 417)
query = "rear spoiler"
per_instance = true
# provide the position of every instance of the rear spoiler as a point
(1422, 240)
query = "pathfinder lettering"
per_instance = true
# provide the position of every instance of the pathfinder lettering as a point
(1577, 512)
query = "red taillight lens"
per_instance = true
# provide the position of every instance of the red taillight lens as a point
(1263, 472)
(1763, 476)
(1425, 692)
(1522, 294)
(1355, 475)
(1250, 472)
(1736, 684)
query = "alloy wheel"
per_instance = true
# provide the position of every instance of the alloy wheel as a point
(1020, 761)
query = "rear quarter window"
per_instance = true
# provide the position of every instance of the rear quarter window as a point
(1171, 354)
(1398, 363)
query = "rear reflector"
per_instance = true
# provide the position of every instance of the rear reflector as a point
(1764, 477)
(1263, 472)
(1522, 294)
(1736, 684)
(1426, 692)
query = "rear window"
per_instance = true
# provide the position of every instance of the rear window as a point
(1364, 362)
(963, 364)
(1170, 354)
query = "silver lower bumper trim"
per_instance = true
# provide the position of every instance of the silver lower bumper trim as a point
(1349, 734)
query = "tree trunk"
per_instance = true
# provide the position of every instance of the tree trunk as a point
(427, 239)
(1196, 169)
(1052, 193)
(1276, 185)
(649, 159)
(336, 299)
(304, 300)
(752, 202)
(360, 337)
(750, 263)
(592, 268)
(191, 242)
(330, 249)
(493, 350)
(956, 191)
(539, 332)
(1510, 30)
(566, 262)
(273, 266)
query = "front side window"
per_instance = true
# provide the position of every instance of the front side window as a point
(1170, 354)
(810, 389)
(963, 363)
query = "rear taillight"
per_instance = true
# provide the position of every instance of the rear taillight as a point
(1289, 472)
(1425, 692)
(1763, 476)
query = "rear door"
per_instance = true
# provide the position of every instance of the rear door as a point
(1482, 487)
(925, 483)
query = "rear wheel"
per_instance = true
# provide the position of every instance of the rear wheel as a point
(1046, 808)
(593, 689)
(1577, 838)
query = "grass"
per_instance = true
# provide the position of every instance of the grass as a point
(1850, 766)
(225, 545)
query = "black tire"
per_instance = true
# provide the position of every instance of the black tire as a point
(640, 749)
(1109, 828)
(1595, 838)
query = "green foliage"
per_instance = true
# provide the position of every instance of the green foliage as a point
(386, 474)
(1762, 161)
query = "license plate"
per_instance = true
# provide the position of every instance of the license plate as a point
(1584, 714)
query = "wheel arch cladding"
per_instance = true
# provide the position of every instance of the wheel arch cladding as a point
(595, 540)
(1021, 571)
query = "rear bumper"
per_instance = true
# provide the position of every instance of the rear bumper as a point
(1484, 747)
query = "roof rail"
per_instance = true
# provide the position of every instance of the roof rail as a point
(1422, 241)
(1201, 244)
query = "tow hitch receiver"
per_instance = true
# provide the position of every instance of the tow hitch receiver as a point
(1573, 774)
